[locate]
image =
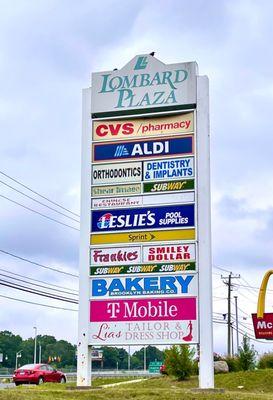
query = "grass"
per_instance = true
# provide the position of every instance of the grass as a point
(255, 385)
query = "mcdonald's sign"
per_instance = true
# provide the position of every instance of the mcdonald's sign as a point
(263, 322)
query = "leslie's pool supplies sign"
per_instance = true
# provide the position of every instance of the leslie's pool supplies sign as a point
(145, 261)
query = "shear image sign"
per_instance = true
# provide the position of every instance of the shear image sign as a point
(145, 257)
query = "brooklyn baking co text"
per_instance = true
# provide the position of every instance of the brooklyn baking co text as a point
(127, 98)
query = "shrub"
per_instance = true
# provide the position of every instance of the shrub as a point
(266, 361)
(179, 361)
(247, 355)
(233, 364)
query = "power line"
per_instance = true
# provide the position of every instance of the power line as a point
(38, 285)
(222, 269)
(38, 264)
(39, 202)
(36, 292)
(37, 280)
(38, 194)
(37, 304)
(37, 212)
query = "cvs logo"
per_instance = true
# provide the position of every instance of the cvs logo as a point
(112, 129)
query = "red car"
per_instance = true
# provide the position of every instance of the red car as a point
(37, 374)
(162, 369)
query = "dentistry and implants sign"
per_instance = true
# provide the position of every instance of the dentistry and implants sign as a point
(142, 203)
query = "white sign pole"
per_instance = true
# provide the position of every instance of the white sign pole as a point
(206, 368)
(84, 351)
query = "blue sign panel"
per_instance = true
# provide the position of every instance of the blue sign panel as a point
(141, 286)
(143, 148)
(175, 216)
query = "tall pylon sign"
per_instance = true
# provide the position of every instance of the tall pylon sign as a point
(145, 255)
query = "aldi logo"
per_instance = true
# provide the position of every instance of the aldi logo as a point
(182, 145)
(121, 151)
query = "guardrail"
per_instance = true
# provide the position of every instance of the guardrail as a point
(72, 376)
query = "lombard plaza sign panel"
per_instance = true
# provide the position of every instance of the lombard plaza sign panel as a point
(144, 83)
(145, 266)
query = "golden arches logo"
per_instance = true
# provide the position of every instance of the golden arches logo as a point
(262, 292)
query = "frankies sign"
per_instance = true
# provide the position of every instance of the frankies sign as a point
(144, 82)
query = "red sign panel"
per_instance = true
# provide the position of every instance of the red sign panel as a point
(263, 327)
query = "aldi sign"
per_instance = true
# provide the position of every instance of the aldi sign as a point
(143, 149)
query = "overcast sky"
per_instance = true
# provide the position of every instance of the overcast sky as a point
(48, 50)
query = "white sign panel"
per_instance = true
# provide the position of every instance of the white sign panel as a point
(169, 253)
(174, 168)
(149, 200)
(116, 173)
(115, 256)
(144, 332)
(152, 285)
(144, 82)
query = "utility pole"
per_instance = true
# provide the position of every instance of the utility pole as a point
(237, 331)
(35, 345)
(228, 281)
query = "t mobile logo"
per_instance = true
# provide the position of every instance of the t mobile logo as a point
(113, 309)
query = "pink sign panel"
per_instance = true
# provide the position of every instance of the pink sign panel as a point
(167, 309)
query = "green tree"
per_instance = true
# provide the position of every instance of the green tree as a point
(247, 355)
(152, 354)
(9, 345)
(179, 361)
(62, 352)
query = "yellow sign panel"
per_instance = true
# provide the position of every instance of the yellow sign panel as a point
(143, 127)
(135, 237)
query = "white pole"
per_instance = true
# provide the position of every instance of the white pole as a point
(18, 354)
(129, 360)
(35, 345)
(206, 370)
(237, 328)
(40, 353)
(144, 355)
(84, 351)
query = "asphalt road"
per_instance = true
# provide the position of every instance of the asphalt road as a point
(6, 385)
